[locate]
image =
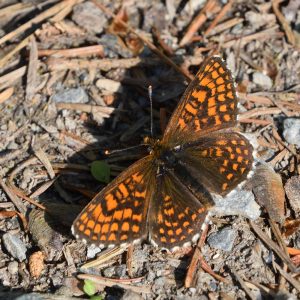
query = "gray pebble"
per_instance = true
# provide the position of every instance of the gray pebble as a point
(113, 47)
(160, 282)
(118, 271)
(291, 131)
(31, 296)
(77, 95)
(283, 295)
(92, 251)
(109, 85)
(240, 203)
(14, 246)
(223, 239)
(262, 80)
(90, 17)
(13, 267)
(130, 295)
(292, 189)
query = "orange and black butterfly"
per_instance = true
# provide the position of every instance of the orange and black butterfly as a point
(165, 196)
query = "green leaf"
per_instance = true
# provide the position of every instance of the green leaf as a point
(89, 287)
(101, 171)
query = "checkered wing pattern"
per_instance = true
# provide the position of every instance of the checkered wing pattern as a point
(118, 214)
(220, 161)
(175, 215)
(209, 104)
(166, 195)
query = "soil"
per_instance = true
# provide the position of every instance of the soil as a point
(74, 78)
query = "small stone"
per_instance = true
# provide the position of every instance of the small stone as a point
(156, 16)
(90, 17)
(92, 251)
(291, 131)
(115, 271)
(14, 246)
(76, 95)
(13, 267)
(223, 239)
(292, 189)
(130, 295)
(109, 85)
(239, 203)
(113, 48)
(31, 296)
(262, 80)
(160, 282)
(258, 20)
(120, 271)
(283, 295)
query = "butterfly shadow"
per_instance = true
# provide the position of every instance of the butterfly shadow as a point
(125, 127)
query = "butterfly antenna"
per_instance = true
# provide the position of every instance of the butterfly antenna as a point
(151, 109)
(109, 152)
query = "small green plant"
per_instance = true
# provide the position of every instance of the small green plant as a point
(90, 290)
(101, 171)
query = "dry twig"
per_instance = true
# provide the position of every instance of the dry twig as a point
(197, 22)
(274, 247)
(122, 283)
(96, 50)
(219, 17)
(286, 27)
(146, 41)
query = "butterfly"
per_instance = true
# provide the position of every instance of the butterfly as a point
(165, 196)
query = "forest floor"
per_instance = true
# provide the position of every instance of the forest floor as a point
(74, 78)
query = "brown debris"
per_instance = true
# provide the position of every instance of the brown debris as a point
(269, 192)
(197, 22)
(289, 33)
(6, 94)
(292, 189)
(226, 8)
(43, 235)
(36, 264)
(96, 50)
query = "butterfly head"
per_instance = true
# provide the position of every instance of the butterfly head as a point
(161, 153)
(155, 146)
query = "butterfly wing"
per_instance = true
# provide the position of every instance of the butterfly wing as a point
(118, 214)
(208, 104)
(175, 215)
(220, 161)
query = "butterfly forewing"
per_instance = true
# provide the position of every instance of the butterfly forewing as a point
(209, 104)
(118, 213)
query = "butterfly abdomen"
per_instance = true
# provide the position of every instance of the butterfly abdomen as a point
(172, 165)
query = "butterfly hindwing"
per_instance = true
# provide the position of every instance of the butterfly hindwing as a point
(209, 104)
(175, 215)
(117, 215)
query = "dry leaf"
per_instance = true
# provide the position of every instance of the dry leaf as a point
(36, 264)
(269, 192)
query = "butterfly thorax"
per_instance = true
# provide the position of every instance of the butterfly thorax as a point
(161, 153)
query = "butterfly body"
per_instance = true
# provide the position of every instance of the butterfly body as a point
(165, 196)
